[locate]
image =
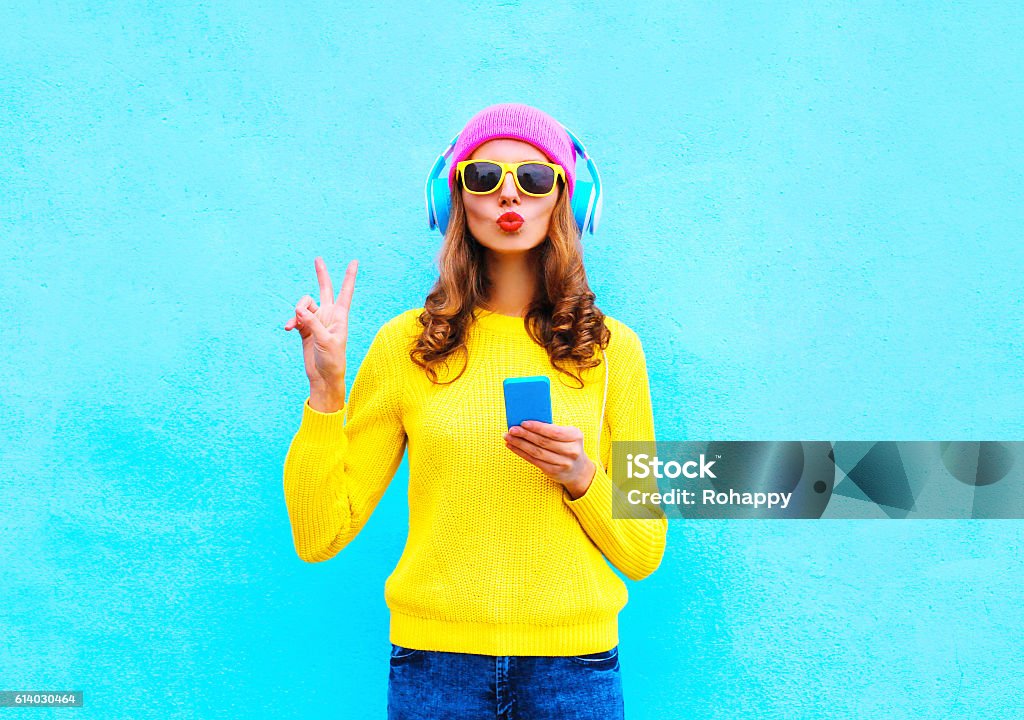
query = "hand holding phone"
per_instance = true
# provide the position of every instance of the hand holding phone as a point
(562, 457)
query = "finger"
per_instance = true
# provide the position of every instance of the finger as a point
(326, 289)
(293, 321)
(308, 321)
(549, 469)
(348, 285)
(559, 446)
(537, 452)
(308, 304)
(565, 433)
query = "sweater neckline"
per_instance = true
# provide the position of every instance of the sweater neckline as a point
(496, 322)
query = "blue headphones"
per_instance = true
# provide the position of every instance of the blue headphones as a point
(586, 195)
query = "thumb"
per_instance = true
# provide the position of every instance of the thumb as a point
(310, 322)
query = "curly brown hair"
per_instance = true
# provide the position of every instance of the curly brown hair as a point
(562, 318)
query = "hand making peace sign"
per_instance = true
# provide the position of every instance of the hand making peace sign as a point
(324, 329)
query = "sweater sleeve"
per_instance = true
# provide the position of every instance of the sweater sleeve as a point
(339, 464)
(633, 545)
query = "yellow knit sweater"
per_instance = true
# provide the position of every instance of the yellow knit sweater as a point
(499, 560)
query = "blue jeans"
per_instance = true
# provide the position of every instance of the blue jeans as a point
(436, 685)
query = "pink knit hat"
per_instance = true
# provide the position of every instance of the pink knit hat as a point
(520, 122)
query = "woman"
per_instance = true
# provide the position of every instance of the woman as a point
(503, 603)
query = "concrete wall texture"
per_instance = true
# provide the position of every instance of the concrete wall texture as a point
(813, 220)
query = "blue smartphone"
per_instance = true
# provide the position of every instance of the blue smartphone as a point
(527, 398)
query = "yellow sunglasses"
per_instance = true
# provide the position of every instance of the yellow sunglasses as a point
(533, 177)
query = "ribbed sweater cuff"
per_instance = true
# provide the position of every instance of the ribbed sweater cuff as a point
(319, 428)
(594, 507)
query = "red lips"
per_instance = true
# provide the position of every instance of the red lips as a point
(510, 222)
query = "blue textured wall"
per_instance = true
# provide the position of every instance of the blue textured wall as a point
(813, 220)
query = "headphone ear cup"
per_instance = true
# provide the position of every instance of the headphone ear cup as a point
(440, 203)
(583, 206)
(436, 191)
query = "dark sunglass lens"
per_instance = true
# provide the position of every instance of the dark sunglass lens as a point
(535, 178)
(482, 176)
